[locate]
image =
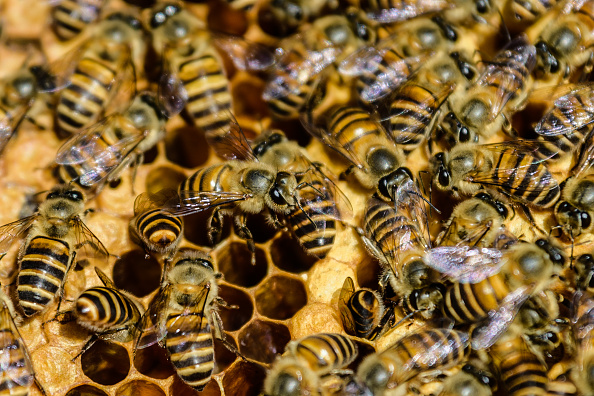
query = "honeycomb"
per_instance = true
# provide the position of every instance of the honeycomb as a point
(286, 295)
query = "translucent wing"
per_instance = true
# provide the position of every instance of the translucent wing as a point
(407, 9)
(105, 279)
(465, 264)
(92, 149)
(163, 199)
(233, 144)
(85, 237)
(410, 202)
(198, 201)
(440, 351)
(151, 327)
(571, 111)
(171, 92)
(488, 332)
(348, 289)
(123, 87)
(11, 231)
(244, 54)
(15, 364)
(9, 122)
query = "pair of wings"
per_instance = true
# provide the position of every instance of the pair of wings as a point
(15, 363)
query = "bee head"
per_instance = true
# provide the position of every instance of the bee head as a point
(388, 184)
(442, 176)
(282, 194)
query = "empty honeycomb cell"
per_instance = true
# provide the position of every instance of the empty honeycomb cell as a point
(223, 356)
(137, 273)
(139, 388)
(289, 256)
(180, 388)
(244, 379)
(235, 262)
(85, 390)
(280, 297)
(262, 340)
(222, 18)
(250, 89)
(150, 155)
(368, 273)
(261, 230)
(153, 362)
(187, 147)
(163, 177)
(196, 231)
(235, 318)
(268, 21)
(105, 363)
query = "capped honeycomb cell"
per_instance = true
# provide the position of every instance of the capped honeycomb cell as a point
(105, 363)
(280, 297)
(262, 340)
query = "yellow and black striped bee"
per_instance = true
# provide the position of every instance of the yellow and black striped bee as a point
(153, 227)
(184, 319)
(107, 312)
(102, 71)
(18, 374)
(310, 365)
(98, 154)
(71, 17)
(54, 236)
(421, 350)
(193, 72)
(583, 331)
(563, 38)
(483, 109)
(509, 169)
(560, 382)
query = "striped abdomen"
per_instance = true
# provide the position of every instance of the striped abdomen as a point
(522, 373)
(160, 230)
(212, 178)
(190, 346)
(325, 352)
(351, 126)
(525, 178)
(314, 223)
(411, 112)
(209, 98)
(70, 17)
(471, 302)
(83, 100)
(42, 271)
(13, 354)
(104, 308)
(365, 310)
(560, 383)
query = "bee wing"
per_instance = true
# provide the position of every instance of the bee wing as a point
(488, 332)
(198, 201)
(438, 351)
(146, 201)
(576, 107)
(407, 10)
(85, 237)
(244, 54)
(463, 263)
(151, 327)
(11, 231)
(429, 106)
(123, 86)
(60, 70)
(172, 96)
(11, 121)
(318, 188)
(15, 362)
(348, 289)
(233, 144)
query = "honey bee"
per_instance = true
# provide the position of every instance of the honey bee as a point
(584, 269)
(419, 351)
(560, 383)
(153, 227)
(95, 76)
(470, 380)
(17, 369)
(184, 319)
(98, 154)
(584, 335)
(54, 236)
(362, 312)
(303, 57)
(483, 109)
(71, 17)
(309, 365)
(510, 169)
(527, 11)
(476, 221)
(107, 312)
(193, 75)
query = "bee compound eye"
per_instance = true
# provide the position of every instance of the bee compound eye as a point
(464, 134)
(585, 219)
(443, 177)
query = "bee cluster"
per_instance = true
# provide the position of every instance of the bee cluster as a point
(452, 254)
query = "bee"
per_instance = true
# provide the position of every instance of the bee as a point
(309, 365)
(153, 227)
(17, 369)
(563, 39)
(469, 380)
(303, 57)
(584, 269)
(184, 319)
(421, 350)
(424, 303)
(71, 17)
(510, 169)
(107, 312)
(476, 221)
(54, 236)
(483, 109)
(527, 11)
(193, 72)
(100, 72)
(584, 335)
(560, 383)
(362, 312)
(98, 154)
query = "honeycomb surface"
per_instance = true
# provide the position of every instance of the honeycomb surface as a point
(286, 295)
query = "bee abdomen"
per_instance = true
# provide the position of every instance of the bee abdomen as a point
(211, 178)
(326, 351)
(103, 308)
(468, 303)
(14, 368)
(42, 271)
(523, 374)
(159, 227)
(69, 18)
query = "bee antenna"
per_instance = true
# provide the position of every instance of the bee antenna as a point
(306, 214)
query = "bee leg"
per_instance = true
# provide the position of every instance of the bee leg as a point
(215, 226)
(528, 214)
(372, 248)
(87, 346)
(274, 220)
(220, 335)
(222, 303)
(346, 173)
(245, 233)
(62, 317)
